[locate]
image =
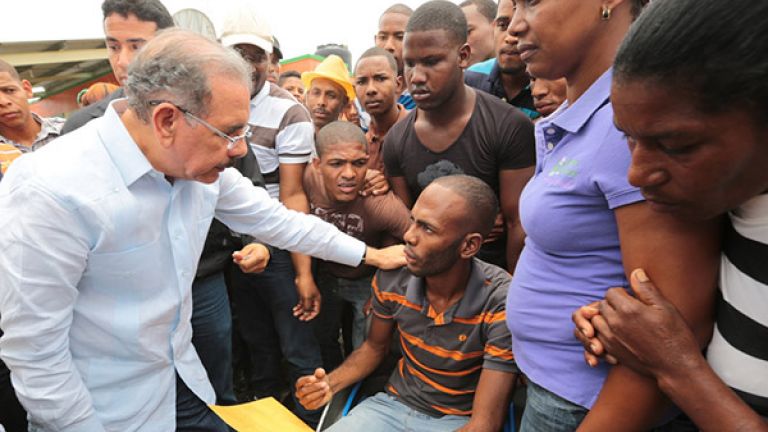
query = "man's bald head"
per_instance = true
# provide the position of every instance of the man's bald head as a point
(481, 205)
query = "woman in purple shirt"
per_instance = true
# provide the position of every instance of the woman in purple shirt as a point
(587, 227)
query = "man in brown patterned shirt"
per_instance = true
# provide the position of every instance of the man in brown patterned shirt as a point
(333, 183)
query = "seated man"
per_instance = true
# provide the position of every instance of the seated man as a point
(457, 368)
(333, 183)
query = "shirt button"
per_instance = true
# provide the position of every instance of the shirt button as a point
(550, 146)
(551, 131)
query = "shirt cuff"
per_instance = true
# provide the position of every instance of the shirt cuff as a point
(89, 424)
(347, 250)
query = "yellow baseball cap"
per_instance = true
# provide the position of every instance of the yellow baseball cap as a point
(334, 69)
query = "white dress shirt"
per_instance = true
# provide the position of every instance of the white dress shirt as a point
(98, 252)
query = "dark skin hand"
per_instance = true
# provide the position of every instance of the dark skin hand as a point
(645, 333)
(648, 334)
(375, 183)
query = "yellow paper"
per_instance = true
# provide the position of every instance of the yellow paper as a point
(263, 415)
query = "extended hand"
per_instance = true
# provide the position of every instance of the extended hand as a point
(314, 391)
(389, 258)
(253, 258)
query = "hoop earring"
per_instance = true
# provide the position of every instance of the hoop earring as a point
(606, 13)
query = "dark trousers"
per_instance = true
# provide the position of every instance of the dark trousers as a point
(342, 299)
(212, 333)
(12, 416)
(264, 307)
(192, 414)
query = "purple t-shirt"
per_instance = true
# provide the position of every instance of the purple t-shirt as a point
(571, 255)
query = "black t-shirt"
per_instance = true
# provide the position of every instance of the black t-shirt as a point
(497, 137)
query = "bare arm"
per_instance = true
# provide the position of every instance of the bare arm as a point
(400, 188)
(489, 407)
(648, 334)
(292, 195)
(511, 184)
(314, 391)
(683, 258)
(707, 400)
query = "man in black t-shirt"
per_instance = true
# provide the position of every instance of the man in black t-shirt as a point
(456, 129)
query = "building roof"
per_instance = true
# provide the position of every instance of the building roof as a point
(59, 64)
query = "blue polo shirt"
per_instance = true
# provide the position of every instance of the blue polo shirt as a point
(572, 254)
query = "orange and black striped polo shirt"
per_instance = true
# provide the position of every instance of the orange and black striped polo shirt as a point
(443, 354)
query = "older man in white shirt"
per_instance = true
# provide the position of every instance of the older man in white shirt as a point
(101, 234)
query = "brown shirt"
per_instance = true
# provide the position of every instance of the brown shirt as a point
(372, 219)
(376, 138)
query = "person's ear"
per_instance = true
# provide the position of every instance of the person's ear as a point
(165, 122)
(27, 86)
(400, 83)
(464, 52)
(471, 245)
(316, 162)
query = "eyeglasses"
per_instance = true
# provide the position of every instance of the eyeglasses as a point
(231, 140)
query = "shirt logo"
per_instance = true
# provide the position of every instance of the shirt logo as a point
(564, 173)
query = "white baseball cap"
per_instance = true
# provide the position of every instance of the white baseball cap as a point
(243, 25)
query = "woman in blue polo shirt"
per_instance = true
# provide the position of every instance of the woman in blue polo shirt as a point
(587, 227)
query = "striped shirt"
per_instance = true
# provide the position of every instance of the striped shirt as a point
(443, 354)
(50, 128)
(406, 100)
(282, 133)
(738, 352)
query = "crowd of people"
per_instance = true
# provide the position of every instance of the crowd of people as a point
(558, 198)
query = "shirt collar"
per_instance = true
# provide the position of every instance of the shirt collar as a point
(415, 292)
(122, 149)
(48, 126)
(573, 117)
(262, 94)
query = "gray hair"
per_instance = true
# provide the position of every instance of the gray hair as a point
(176, 66)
